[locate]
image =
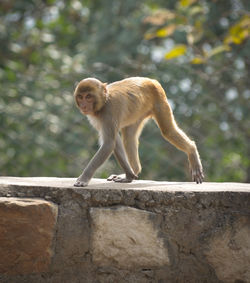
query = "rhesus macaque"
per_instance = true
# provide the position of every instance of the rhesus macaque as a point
(123, 107)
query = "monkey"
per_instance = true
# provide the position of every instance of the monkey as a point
(118, 111)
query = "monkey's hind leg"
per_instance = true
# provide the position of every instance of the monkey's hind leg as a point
(171, 132)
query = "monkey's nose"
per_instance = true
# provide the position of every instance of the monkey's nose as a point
(83, 106)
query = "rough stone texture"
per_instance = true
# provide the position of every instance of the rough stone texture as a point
(229, 252)
(127, 237)
(26, 233)
(203, 231)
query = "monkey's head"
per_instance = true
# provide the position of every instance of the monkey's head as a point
(90, 96)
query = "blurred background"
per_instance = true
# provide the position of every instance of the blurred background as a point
(198, 50)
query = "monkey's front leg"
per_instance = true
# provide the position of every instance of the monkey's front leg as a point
(102, 154)
(121, 157)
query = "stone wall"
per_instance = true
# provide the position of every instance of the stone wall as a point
(140, 232)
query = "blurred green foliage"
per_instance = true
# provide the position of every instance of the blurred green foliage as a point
(198, 50)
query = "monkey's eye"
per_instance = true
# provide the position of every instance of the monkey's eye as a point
(88, 96)
(79, 96)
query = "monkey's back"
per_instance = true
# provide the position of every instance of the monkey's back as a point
(138, 97)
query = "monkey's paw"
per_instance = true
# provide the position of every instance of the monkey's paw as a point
(119, 178)
(80, 183)
(197, 175)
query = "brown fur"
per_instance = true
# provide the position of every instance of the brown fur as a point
(125, 106)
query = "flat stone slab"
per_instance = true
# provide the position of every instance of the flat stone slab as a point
(54, 182)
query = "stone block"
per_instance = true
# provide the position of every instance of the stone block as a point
(127, 237)
(229, 252)
(26, 234)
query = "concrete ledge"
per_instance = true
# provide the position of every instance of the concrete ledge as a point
(144, 231)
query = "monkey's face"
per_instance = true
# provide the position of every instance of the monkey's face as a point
(85, 102)
(90, 96)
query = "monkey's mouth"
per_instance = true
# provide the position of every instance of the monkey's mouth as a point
(86, 112)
